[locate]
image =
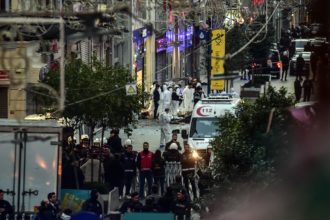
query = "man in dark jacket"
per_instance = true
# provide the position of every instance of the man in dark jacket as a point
(174, 140)
(116, 172)
(181, 206)
(52, 207)
(300, 64)
(5, 207)
(129, 163)
(114, 142)
(156, 98)
(92, 204)
(132, 205)
(172, 154)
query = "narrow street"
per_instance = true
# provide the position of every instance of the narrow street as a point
(149, 130)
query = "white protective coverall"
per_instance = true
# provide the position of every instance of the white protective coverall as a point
(188, 99)
(151, 100)
(167, 98)
(165, 128)
(175, 103)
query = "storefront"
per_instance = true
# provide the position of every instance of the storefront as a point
(165, 46)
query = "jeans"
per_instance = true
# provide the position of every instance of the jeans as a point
(160, 181)
(145, 174)
(129, 177)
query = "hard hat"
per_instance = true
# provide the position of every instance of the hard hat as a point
(84, 136)
(128, 142)
(173, 146)
(97, 140)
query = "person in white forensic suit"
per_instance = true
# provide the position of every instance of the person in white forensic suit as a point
(175, 101)
(188, 99)
(167, 97)
(165, 127)
(151, 103)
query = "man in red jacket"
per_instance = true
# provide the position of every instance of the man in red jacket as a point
(144, 162)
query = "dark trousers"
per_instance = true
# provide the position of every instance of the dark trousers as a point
(284, 73)
(189, 176)
(299, 73)
(156, 108)
(145, 174)
(160, 181)
(129, 177)
(118, 184)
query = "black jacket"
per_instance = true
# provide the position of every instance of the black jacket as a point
(156, 95)
(92, 205)
(172, 156)
(158, 167)
(114, 144)
(131, 206)
(300, 63)
(181, 209)
(187, 160)
(129, 162)
(8, 209)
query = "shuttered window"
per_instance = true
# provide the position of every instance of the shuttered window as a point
(3, 102)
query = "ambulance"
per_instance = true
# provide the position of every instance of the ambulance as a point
(204, 121)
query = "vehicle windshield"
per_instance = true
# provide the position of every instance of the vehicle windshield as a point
(274, 56)
(204, 127)
(300, 44)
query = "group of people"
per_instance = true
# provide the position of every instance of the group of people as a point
(122, 167)
(319, 59)
(175, 98)
(119, 165)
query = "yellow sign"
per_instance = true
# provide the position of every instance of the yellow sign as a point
(218, 51)
(217, 57)
(131, 89)
(217, 84)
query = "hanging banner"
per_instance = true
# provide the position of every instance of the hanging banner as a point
(217, 57)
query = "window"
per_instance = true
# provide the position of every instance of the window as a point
(3, 102)
(204, 128)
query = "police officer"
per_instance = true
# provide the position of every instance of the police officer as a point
(188, 169)
(181, 206)
(129, 162)
(172, 154)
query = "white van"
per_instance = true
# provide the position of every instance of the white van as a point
(204, 120)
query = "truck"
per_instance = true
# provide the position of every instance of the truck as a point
(204, 121)
(30, 161)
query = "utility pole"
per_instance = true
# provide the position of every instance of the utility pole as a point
(176, 50)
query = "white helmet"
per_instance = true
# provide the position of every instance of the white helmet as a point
(128, 142)
(97, 141)
(173, 146)
(84, 136)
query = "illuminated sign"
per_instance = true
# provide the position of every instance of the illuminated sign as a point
(218, 54)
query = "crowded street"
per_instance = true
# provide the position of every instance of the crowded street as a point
(164, 109)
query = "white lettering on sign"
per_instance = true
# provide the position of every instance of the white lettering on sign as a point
(204, 111)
